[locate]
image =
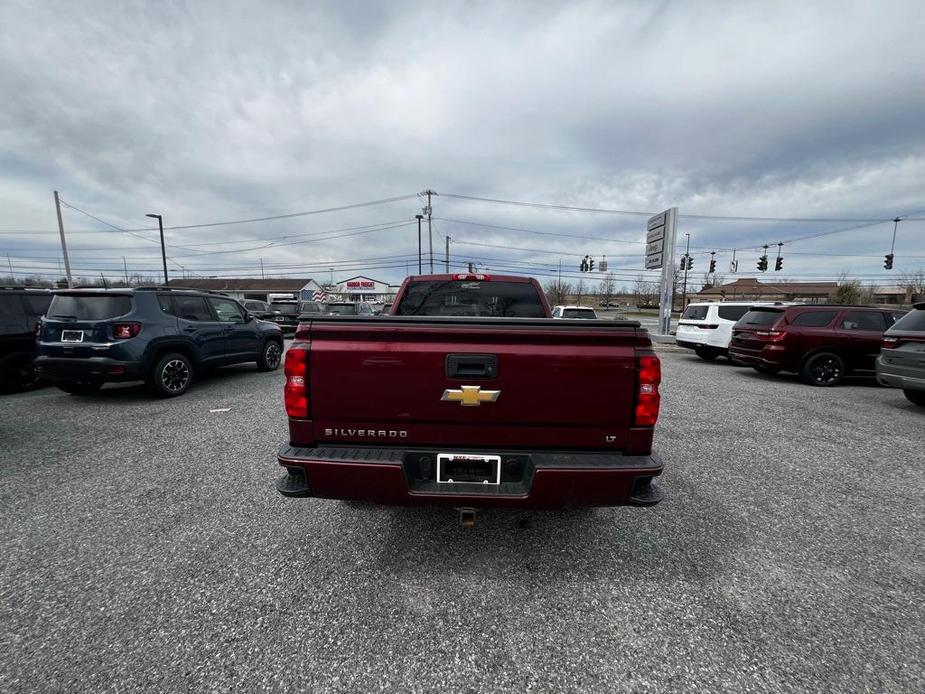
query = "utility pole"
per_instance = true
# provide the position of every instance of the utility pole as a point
(160, 224)
(687, 262)
(125, 269)
(430, 231)
(10, 262)
(67, 262)
(447, 260)
(262, 276)
(419, 217)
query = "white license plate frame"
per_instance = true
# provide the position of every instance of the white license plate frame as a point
(445, 478)
(72, 336)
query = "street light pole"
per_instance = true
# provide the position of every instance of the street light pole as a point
(687, 262)
(160, 224)
(419, 217)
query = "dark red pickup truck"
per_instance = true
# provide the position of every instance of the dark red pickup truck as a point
(469, 395)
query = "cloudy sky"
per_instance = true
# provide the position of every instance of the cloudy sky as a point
(222, 111)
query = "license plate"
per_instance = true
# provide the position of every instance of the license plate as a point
(468, 467)
(72, 336)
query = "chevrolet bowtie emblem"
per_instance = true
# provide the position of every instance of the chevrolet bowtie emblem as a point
(470, 396)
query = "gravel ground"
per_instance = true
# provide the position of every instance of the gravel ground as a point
(144, 548)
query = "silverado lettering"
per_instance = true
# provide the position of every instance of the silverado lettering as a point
(574, 427)
(381, 433)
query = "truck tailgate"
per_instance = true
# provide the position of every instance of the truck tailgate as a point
(501, 382)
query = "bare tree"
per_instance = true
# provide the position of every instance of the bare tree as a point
(579, 291)
(606, 288)
(645, 291)
(914, 283)
(557, 291)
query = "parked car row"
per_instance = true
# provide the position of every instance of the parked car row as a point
(822, 343)
(80, 339)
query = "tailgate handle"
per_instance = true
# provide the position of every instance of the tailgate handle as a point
(471, 365)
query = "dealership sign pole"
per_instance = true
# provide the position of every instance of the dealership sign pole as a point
(660, 240)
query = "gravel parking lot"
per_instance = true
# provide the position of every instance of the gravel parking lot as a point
(144, 548)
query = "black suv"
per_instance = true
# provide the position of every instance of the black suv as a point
(161, 336)
(20, 310)
(259, 309)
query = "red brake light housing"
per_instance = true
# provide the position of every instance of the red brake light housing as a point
(771, 335)
(124, 331)
(472, 276)
(889, 343)
(295, 392)
(649, 375)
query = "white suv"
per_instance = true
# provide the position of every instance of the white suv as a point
(706, 328)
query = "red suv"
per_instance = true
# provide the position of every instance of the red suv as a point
(822, 343)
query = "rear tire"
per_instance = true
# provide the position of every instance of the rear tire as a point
(171, 376)
(706, 353)
(270, 356)
(766, 370)
(80, 387)
(20, 374)
(916, 397)
(824, 369)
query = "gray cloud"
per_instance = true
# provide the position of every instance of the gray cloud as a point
(208, 111)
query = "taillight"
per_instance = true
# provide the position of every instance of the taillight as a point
(473, 276)
(889, 342)
(38, 328)
(123, 331)
(771, 335)
(295, 392)
(647, 397)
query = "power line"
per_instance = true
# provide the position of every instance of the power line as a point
(292, 215)
(544, 205)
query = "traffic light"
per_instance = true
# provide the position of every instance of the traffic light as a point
(690, 262)
(888, 261)
(763, 263)
(591, 265)
(779, 263)
(712, 264)
(584, 264)
(683, 263)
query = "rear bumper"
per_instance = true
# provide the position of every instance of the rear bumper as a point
(763, 357)
(896, 376)
(549, 480)
(88, 368)
(687, 337)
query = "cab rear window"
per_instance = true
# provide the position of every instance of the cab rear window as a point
(497, 299)
(760, 317)
(89, 306)
(695, 312)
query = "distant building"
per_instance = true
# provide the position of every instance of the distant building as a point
(895, 295)
(362, 288)
(747, 289)
(250, 288)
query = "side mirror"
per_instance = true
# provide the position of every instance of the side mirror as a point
(250, 316)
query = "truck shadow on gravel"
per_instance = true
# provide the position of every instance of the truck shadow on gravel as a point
(675, 540)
